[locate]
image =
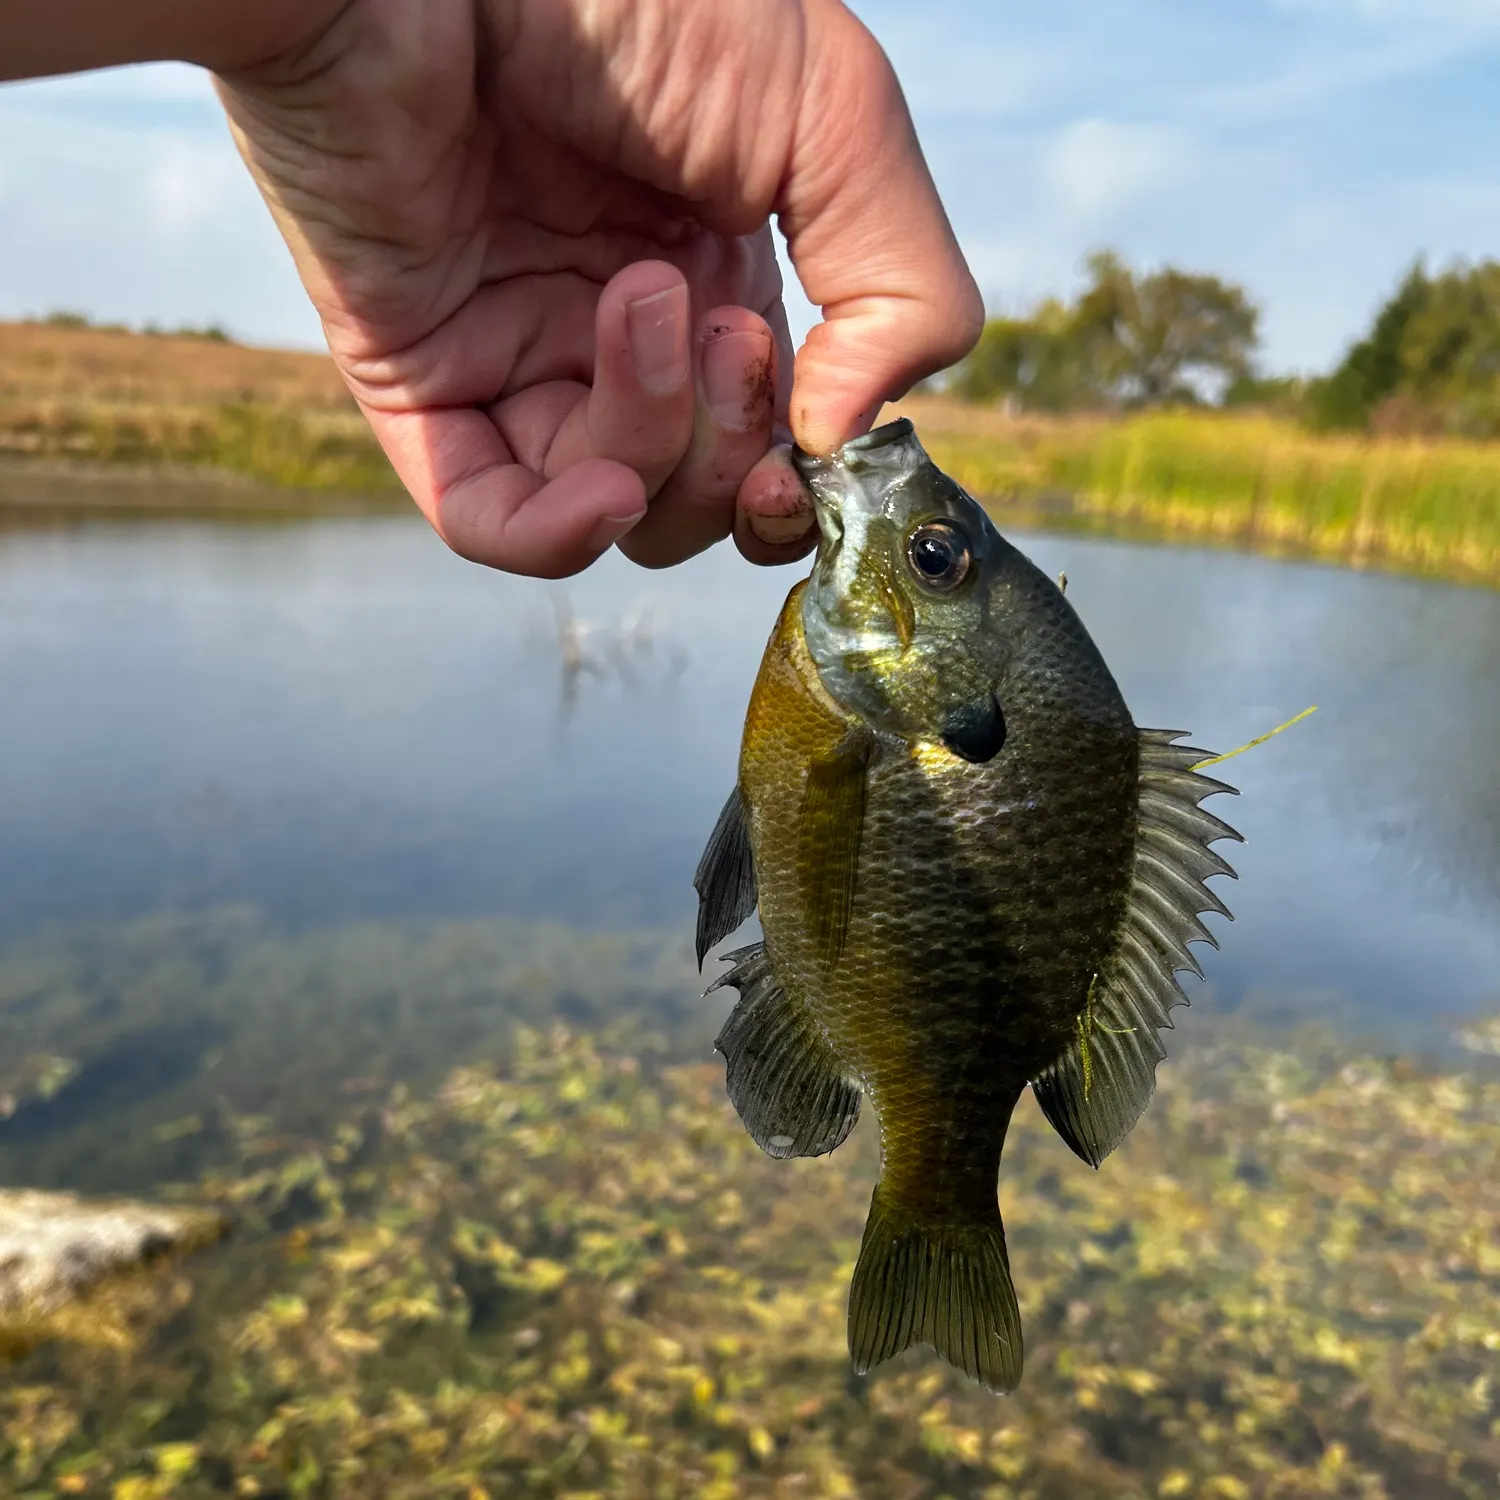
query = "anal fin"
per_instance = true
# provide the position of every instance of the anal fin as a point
(725, 877)
(1096, 1091)
(781, 1075)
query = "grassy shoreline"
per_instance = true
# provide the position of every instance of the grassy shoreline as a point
(240, 454)
(132, 421)
(1425, 507)
(95, 418)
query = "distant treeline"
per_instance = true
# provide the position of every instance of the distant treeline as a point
(1131, 341)
(67, 318)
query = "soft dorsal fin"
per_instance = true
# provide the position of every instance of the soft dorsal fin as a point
(725, 877)
(1095, 1092)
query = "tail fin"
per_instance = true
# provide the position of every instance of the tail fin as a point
(943, 1284)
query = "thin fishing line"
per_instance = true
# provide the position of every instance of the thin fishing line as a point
(1215, 760)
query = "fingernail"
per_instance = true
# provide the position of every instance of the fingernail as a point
(737, 377)
(657, 327)
(609, 529)
(779, 531)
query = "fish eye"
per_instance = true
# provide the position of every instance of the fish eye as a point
(939, 554)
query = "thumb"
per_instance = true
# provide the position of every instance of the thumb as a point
(869, 239)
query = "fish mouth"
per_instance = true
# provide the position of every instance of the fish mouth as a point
(829, 518)
(889, 435)
(856, 453)
(832, 479)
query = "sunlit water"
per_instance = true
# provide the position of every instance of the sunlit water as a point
(371, 751)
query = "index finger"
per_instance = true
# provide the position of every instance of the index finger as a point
(869, 238)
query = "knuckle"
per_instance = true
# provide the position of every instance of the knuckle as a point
(967, 319)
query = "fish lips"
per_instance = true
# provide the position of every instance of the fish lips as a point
(874, 449)
(832, 479)
(821, 479)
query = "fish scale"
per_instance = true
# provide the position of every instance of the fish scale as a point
(973, 873)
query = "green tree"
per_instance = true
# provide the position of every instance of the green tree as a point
(1372, 371)
(1281, 395)
(1450, 355)
(1165, 337)
(1431, 361)
(1168, 336)
(1036, 362)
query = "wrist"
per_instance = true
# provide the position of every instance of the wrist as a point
(76, 36)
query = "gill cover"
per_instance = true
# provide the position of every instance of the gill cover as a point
(896, 613)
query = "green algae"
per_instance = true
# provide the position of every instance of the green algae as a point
(573, 1274)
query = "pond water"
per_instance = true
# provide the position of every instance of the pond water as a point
(293, 812)
(335, 738)
(338, 720)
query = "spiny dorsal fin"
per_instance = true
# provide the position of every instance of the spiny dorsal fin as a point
(782, 1077)
(1095, 1092)
(833, 817)
(725, 877)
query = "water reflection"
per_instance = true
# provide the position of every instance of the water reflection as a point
(630, 651)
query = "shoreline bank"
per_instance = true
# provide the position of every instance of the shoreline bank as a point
(1253, 484)
(45, 487)
(105, 421)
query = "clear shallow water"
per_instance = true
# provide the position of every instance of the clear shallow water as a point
(344, 729)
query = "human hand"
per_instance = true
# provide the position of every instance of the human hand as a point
(537, 234)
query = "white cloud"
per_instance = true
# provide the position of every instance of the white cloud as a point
(1316, 79)
(1425, 13)
(189, 183)
(948, 65)
(122, 198)
(1096, 168)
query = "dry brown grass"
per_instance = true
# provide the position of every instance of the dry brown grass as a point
(113, 402)
(41, 363)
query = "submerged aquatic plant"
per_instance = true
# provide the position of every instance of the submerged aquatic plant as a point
(576, 1275)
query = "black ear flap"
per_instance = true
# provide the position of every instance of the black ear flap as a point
(976, 732)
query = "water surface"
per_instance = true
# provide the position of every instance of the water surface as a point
(293, 791)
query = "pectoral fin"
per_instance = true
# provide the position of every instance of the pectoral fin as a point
(782, 1076)
(833, 815)
(725, 878)
(1096, 1091)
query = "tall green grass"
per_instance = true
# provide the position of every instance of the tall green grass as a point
(316, 451)
(1431, 506)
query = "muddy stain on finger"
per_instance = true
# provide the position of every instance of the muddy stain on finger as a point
(783, 512)
(760, 391)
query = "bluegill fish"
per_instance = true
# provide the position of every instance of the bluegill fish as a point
(974, 874)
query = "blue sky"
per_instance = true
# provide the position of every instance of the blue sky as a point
(1306, 148)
